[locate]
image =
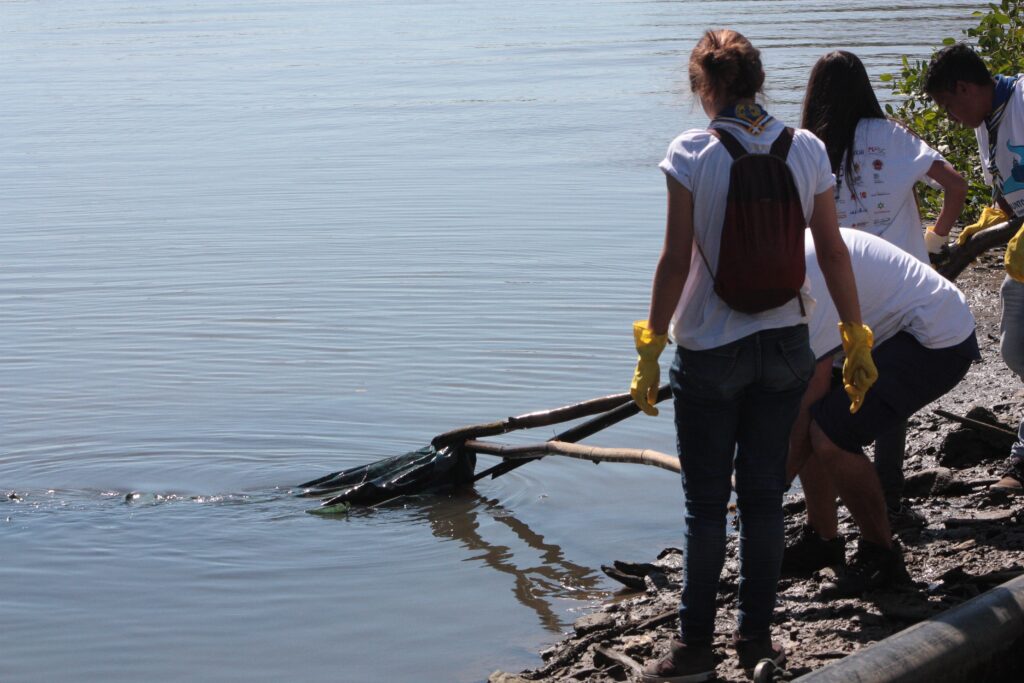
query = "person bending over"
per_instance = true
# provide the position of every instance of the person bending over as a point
(924, 345)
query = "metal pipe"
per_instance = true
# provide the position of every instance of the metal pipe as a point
(969, 642)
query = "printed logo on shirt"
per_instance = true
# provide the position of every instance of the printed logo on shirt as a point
(863, 195)
(881, 208)
(876, 150)
(878, 179)
(1016, 180)
(877, 164)
(881, 221)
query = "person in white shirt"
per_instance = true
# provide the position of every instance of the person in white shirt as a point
(959, 82)
(924, 345)
(737, 378)
(878, 163)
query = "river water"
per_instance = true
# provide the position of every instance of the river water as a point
(248, 243)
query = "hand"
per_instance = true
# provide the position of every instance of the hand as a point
(933, 241)
(990, 216)
(859, 371)
(1014, 258)
(647, 377)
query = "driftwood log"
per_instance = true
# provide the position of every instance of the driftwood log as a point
(958, 257)
(596, 454)
(531, 420)
(579, 432)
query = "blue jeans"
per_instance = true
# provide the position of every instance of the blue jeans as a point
(736, 403)
(1011, 341)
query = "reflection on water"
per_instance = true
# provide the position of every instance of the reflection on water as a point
(539, 586)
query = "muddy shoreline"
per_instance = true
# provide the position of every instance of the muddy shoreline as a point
(973, 541)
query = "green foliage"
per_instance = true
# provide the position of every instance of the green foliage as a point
(999, 38)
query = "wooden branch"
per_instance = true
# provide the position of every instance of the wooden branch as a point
(997, 430)
(579, 432)
(595, 454)
(624, 660)
(529, 420)
(961, 256)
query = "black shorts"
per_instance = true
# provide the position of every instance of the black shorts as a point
(910, 376)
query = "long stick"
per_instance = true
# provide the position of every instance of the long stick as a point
(596, 454)
(577, 433)
(961, 256)
(530, 420)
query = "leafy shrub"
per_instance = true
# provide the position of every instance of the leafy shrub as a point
(999, 39)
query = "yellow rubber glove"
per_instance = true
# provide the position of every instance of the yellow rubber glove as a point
(933, 241)
(1014, 258)
(990, 216)
(859, 371)
(647, 376)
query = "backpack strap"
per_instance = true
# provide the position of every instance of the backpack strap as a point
(780, 148)
(733, 145)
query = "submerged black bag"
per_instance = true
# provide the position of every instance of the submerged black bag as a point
(761, 258)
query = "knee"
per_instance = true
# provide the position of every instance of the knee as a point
(1011, 346)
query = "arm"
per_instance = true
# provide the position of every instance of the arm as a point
(674, 262)
(954, 193)
(834, 258)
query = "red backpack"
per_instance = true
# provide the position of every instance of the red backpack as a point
(761, 258)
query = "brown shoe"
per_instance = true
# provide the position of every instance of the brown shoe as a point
(751, 651)
(1009, 484)
(682, 664)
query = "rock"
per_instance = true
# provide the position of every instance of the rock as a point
(927, 482)
(966, 448)
(598, 621)
(502, 677)
(982, 518)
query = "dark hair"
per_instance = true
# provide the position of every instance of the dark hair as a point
(725, 65)
(839, 95)
(958, 62)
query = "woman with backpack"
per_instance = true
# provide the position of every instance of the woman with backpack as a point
(741, 367)
(877, 162)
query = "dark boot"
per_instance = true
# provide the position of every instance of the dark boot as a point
(811, 552)
(751, 651)
(903, 518)
(683, 664)
(873, 566)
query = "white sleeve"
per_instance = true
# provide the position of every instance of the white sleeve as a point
(915, 153)
(681, 158)
(824, 179)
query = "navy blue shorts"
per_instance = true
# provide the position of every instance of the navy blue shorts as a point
(910, 376)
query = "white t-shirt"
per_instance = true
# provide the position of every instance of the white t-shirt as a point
(1009, 150)
(888, 160)
(897, 293)
(701, 164)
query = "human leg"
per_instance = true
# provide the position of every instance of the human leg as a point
(768, 410)
(1011, 346)
(858, 485)
(705, 389)
(820, 496)
(889, 450)
(910, 376)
